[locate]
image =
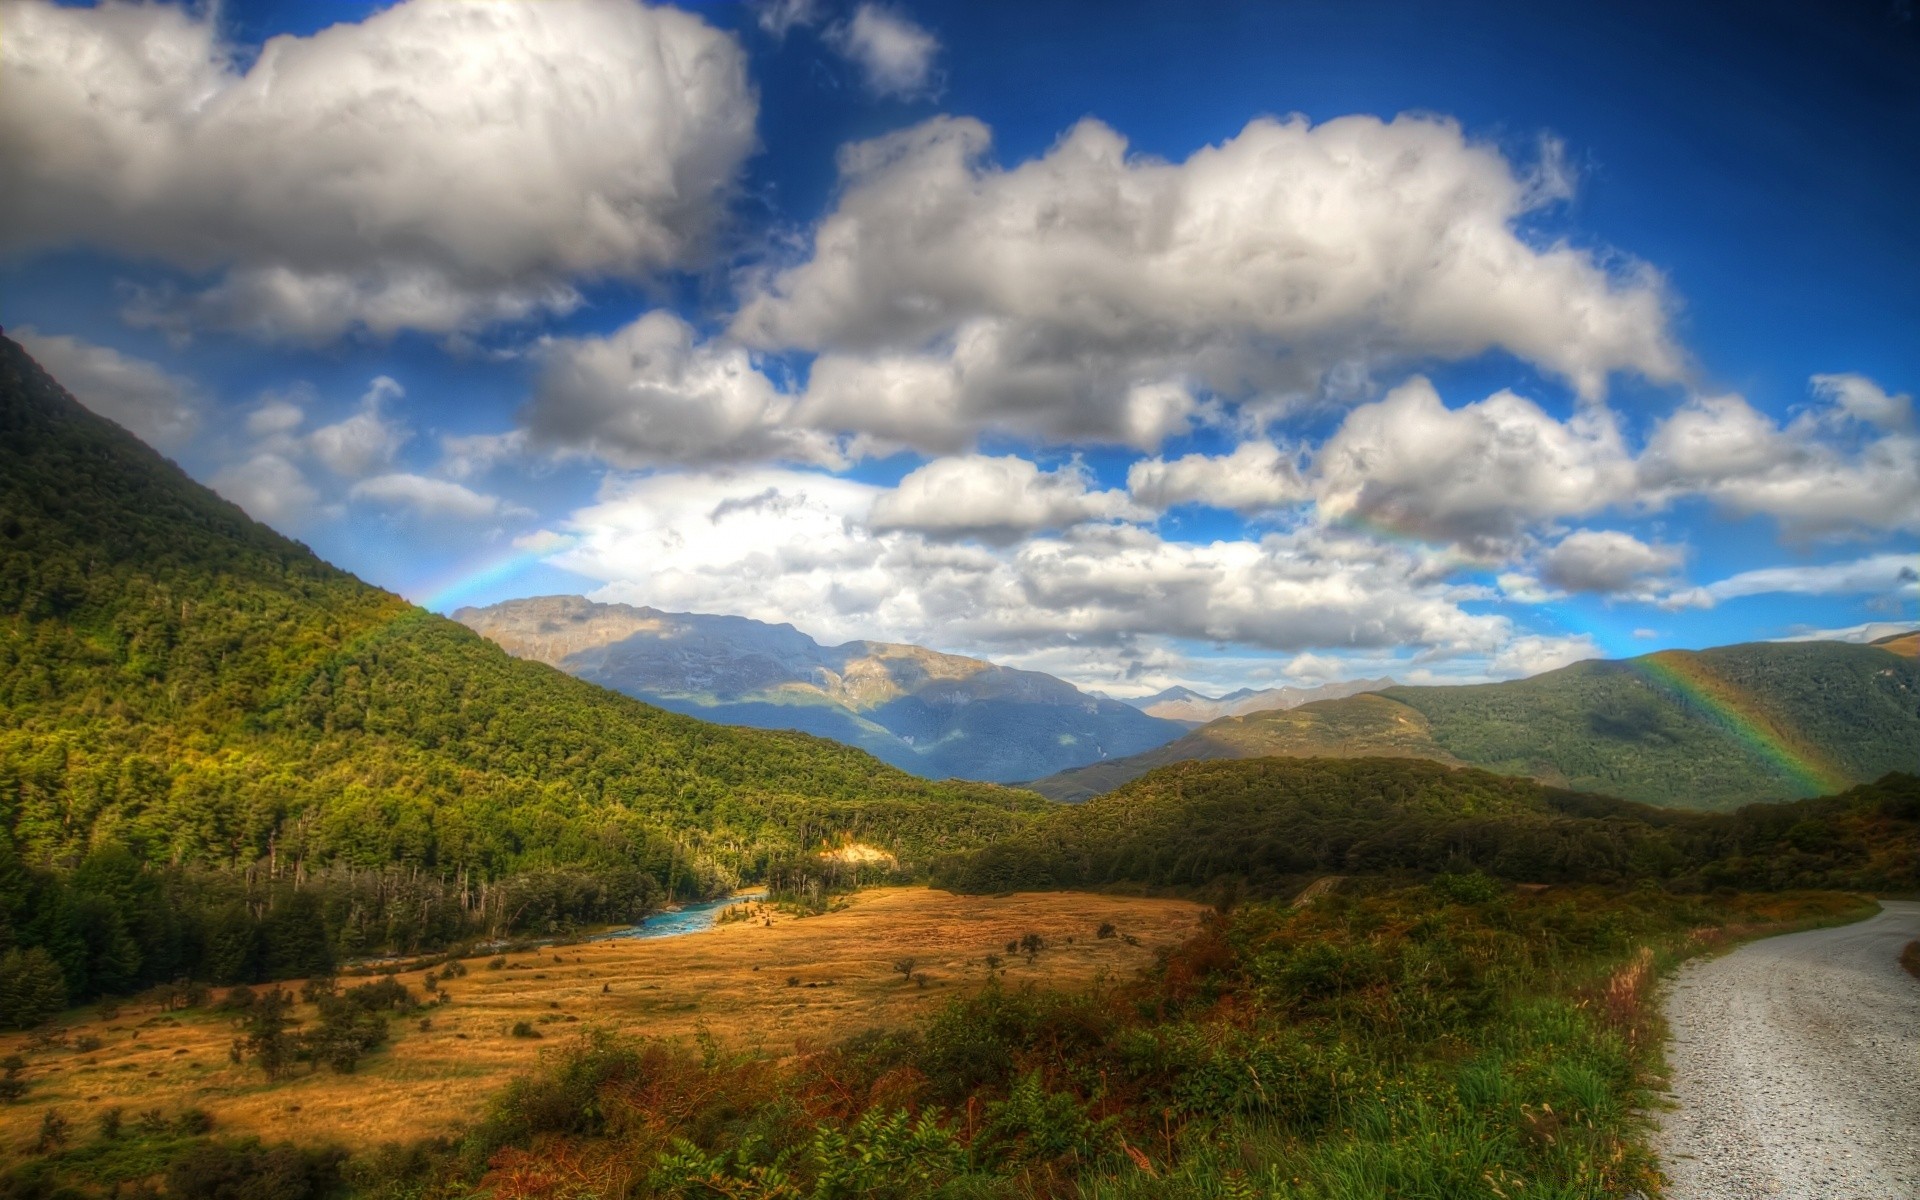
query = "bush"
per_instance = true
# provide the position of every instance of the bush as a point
(524, 1029)
(249, 1171)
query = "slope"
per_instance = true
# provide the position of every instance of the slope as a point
(1709, 730)
(923, 711)
(1274, 823)
(179, 679)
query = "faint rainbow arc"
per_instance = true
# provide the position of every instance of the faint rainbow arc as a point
(1740, 717)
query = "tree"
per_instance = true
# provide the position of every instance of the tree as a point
(32, 988)
(267, 1041)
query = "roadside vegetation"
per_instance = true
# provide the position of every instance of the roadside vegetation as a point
(1459, 1038)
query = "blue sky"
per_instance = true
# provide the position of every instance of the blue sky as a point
(1139, 343)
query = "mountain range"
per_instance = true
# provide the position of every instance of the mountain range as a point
(937, 715)
(1709, 729)
(1189, 707)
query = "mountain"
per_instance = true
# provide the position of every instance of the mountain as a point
(183, 682)
(1187, 706)
(1710, 729)
(1272, 824)
(934, 714)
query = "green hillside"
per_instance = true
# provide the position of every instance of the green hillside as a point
(184, 683)
(1275, 823)
(1710, 730)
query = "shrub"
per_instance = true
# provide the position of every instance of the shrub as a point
(524, 1029)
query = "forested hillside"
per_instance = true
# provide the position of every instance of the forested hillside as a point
(1710, 729)
(1275, 823)
(198, 714)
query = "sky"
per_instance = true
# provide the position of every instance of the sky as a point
(1144, 344)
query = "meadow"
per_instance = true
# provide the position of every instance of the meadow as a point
(766, 984)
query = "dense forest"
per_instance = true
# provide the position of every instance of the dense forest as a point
(1273, 823)
(1710, 729)
(204, 726)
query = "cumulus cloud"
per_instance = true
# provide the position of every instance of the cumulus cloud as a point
(1850, 463)
(270, 488)
(1091, 293)
(364, 442)
(432, 497)
(796, 546)
(1530, 654)
(1606, 561)
(653, 392)
(434, 166)
(1255, 477)
(895, 56)
(995, 499)
(156, 406)
(1479, 474)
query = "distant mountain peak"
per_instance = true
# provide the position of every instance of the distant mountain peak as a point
(925, 710)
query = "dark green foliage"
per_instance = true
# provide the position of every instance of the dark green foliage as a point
(268, 1042)
(222, 758)
(353, 1023)
(1278, 822)
(250, 1171)
(31, 988)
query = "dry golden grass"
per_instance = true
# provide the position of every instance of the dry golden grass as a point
(732, 981)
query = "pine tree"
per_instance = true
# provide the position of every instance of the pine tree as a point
(31, 988)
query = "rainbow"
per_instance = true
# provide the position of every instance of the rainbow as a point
(1741, 717)
(447, 593)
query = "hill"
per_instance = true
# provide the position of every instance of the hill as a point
(200, 717)
(1275, 823)
(1185, 705)
(930, 713)
(1710, 729)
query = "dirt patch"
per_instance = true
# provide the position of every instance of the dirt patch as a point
(749, 983)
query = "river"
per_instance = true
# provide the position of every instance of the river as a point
(690, 918)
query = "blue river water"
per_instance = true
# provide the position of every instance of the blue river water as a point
(691, 918)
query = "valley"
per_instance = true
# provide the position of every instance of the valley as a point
(731, 982)
(1371, 937)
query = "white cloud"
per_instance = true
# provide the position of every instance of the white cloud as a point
(1090, 293)
(1848, 465)
(365, 442)
(1533, 653)
(779, 17)
(795, 546)
(276, 416)
(1879, 574)
(995, 499)
(434, 166)
(1862, 399)
(466, 456)
(652, 393)
(1479, 474)
(1607, 561)
(271, 489)
(895, 56)
(159, 408)
(1869, 631)
(433, 497)
(1255, 477)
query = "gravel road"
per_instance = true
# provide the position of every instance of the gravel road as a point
(1796, 1068)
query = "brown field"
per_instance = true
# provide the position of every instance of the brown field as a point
(733, 981)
